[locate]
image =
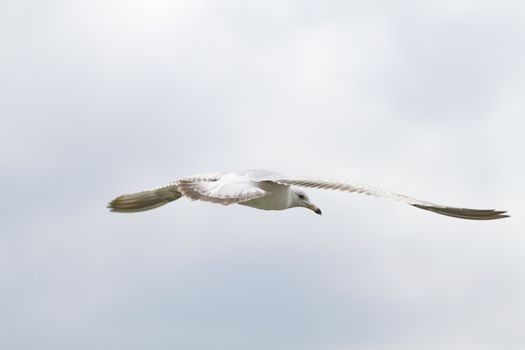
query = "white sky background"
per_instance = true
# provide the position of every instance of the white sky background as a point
(100, 98)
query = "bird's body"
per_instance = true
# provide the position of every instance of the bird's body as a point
(278, 197)
(267, 190)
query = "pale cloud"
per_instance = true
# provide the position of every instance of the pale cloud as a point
(105, 97)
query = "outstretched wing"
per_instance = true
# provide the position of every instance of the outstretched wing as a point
(150, 199)
(227, 189)
(145, 200)
(463, 213)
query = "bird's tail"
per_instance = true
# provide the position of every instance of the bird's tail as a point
(145, 200)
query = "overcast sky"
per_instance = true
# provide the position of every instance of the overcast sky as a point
(104, 97)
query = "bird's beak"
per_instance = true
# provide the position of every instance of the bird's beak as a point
(314, 208)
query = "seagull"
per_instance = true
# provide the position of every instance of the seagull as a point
(267, 190)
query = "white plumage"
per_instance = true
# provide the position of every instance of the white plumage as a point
(263, 189)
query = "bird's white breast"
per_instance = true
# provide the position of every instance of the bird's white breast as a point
(278, 198)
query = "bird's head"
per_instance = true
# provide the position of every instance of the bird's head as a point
(300, 199)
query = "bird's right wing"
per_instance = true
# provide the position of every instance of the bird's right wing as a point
(145, 200)
(463, 213)
(150, 199)
(227, 189)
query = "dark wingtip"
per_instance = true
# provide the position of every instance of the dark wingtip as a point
(111, 205)
(466, 213)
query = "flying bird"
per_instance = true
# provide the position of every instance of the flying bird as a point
(267, 190)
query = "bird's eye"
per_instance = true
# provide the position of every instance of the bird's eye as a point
(301, 196)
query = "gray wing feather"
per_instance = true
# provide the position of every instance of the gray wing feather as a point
(226, 190)
(145, 200)
(222, 188)
(463, 213)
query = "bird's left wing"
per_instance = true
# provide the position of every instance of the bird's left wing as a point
(346, 186)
